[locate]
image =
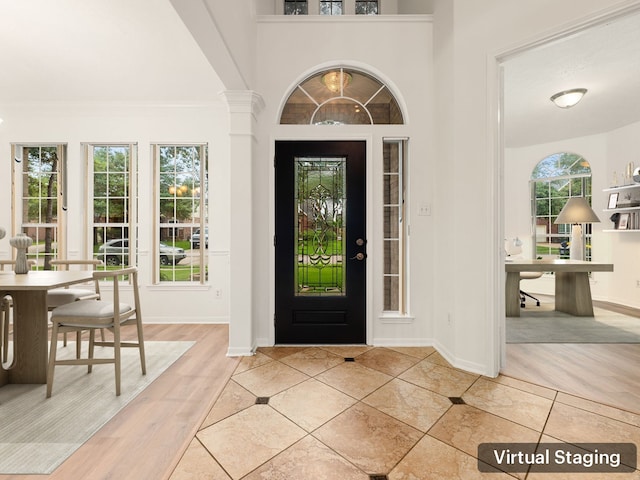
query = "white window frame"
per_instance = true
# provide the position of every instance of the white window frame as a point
(131, 222)
(20, 202)
(402, 235)
(367, 1)
(332, 2)
(202, 224)
(306, 2)
(567, 175)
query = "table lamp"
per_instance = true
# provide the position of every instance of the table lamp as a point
(576, 212)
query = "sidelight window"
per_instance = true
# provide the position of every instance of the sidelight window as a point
(394, 226)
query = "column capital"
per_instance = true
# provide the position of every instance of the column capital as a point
(243, 101)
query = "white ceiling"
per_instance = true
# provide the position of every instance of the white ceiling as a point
(140, 51)
(603, 59)
(99, 51)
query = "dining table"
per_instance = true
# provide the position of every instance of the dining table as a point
(31, 320)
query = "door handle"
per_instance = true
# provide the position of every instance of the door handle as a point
(359, 256)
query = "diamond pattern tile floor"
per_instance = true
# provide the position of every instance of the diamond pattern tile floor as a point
(388, 414)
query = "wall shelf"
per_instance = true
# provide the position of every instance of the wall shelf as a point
(620, 209)
(621, 187)
(629, 211)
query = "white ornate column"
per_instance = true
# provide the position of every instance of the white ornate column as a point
(243, 106)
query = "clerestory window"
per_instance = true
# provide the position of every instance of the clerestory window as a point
(331, 7)
(366, 7)
(295, 7)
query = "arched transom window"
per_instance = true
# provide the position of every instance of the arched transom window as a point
(341, 96)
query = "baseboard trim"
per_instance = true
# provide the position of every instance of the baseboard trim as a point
(402, 342)
(187, 320)
(462, 364)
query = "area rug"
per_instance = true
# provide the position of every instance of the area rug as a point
(37, 434)
(545, 325)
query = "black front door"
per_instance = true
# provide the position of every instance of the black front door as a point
(320, 244)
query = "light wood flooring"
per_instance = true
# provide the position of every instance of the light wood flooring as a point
(148, 438)
(605, 373)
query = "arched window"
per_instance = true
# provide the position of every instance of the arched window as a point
(554, 180)
(341, 96)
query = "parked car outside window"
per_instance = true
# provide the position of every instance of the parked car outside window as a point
(116, 252)
(195, 238)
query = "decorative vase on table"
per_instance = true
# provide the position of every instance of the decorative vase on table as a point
(21, 243)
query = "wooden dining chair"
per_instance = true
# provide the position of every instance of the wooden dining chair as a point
(92, 316)
(6, 304)
(61, 296)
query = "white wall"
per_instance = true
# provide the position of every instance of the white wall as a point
(469, 268)
(460, 280)
(622, 147)
(74, 124)
(361, 42)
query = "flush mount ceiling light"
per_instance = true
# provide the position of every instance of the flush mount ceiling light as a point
(336, 80)
(568, 98)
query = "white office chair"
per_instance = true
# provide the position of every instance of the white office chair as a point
(523, 294)
(514, 249)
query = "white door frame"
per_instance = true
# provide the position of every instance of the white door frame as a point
(495, 116)
(371, 251)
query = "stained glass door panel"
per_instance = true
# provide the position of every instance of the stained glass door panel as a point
(319, 208)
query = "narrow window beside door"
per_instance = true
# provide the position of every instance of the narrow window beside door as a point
(394, 226)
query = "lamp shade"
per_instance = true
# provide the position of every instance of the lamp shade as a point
(577, 210)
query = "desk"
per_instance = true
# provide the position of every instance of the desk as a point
(573, 293)
(31, 320)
